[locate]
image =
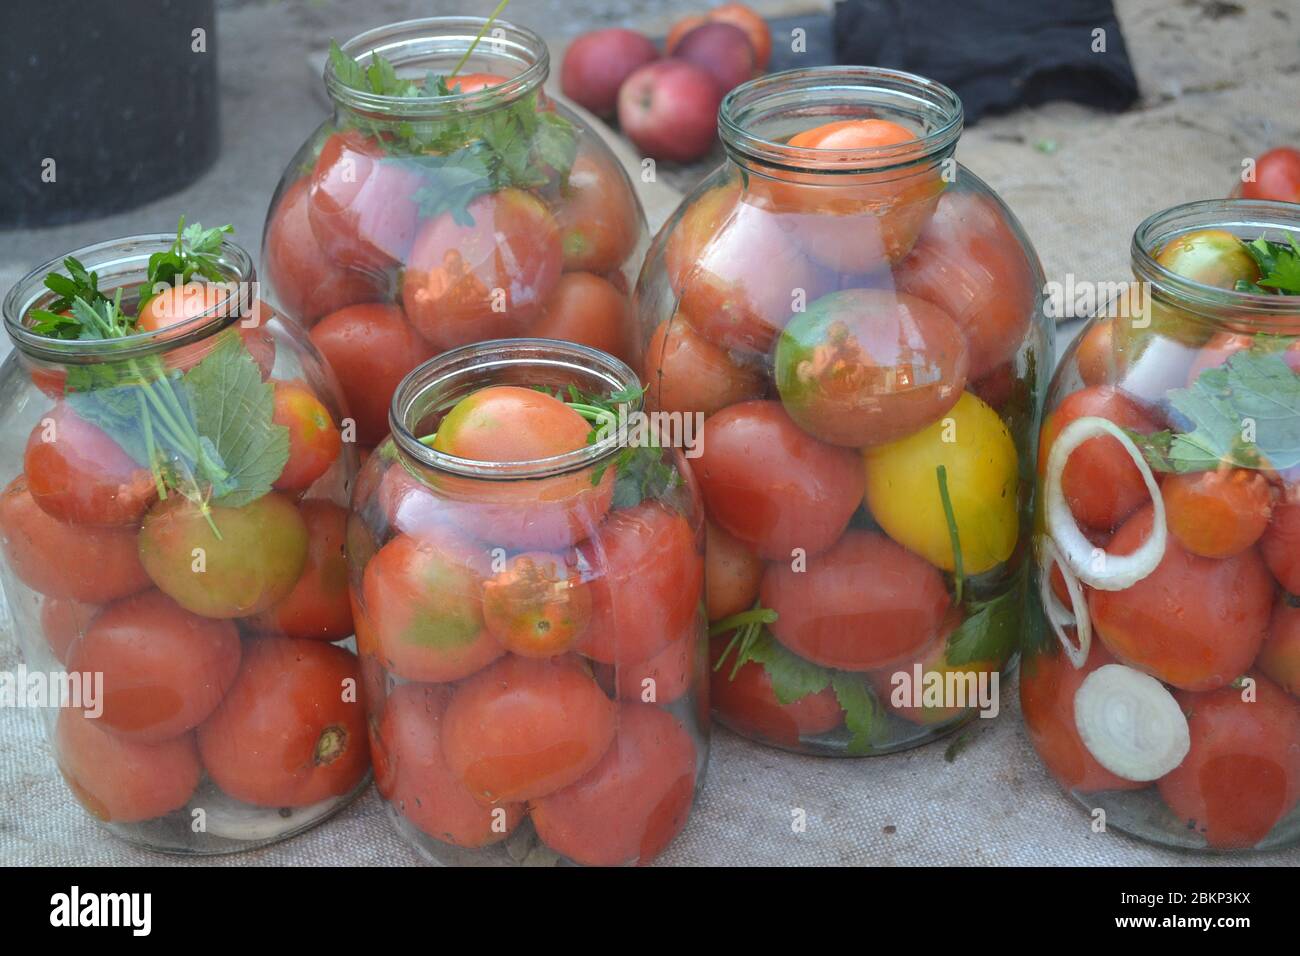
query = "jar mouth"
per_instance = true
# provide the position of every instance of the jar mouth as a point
(756, 118)
(1244, 218)
(416, 46)
(121, 264)
(432, 389)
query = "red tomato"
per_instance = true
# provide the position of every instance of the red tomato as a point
(510, 423)
(292, 731)
(77, 473)
(1217, 514)
(424, 599)
(597, 215)
(772, 485)
(524, 728)
(306, 282)
(661, 679)
(866, 366)
(1095, 355)
(177, 306)
(632, 803)
(412, 774)
(587, 309)
(755, 27)
(747, 703)
(94, 565)
(361, 203)
(1280, 544)
(473, 82)
(736, 271)
(370, 348)
(1048, 683)
(647, 577)
(865, 604)
(732, 573)
(1242, 773)
(486, 280)
(1194, 622)
(124, 781)
(969, 262)
(164, 669)
(63, 622)
(1101, 483)
(1277, 176)
(1279, 658)
(685, 372)
(318, 606)
(538, 605)
(314, 440)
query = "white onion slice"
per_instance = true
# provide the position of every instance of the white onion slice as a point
(1116, 572)
(1131, 723)
(1058, 615)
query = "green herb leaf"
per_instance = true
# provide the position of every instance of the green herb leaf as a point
(792, 677)
(1245, 413)
(233, 411)
(1279, 266)
(195, 252)
(863, 714)
(991, 629)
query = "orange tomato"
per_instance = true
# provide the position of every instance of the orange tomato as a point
(589, 310)
(538, 606)
(1279, 658)
(597, 215)
(314, 440)
(685, 372)
(732, 573)
(1217, 514)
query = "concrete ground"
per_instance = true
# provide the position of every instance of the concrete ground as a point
(1220, 82)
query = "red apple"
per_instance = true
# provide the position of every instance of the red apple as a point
(669, 108)
(723, 50)
(596, 64)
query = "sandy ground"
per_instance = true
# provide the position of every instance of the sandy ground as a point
(1220, 82)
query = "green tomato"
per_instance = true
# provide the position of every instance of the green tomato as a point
(979, 457)
(251, 563)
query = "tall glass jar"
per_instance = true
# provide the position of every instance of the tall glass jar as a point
(859, 318)
(532, 632)
(421, 217)
(1169, 540)
(172, 522)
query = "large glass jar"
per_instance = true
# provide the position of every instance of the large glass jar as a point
(172, 522)
(1169, 540)
(414, 221)
(858, 316)
(532, 632)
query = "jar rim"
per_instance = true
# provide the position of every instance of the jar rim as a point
(870, 87)
(416, 396)
(127, 256)
(419, 39)
(1233, 215)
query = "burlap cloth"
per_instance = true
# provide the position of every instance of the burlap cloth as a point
(1220, 82)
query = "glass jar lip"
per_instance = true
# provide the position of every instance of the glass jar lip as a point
(127, 256)
(447, 36)
(1259, 215)
(927, 95)
(442, 370)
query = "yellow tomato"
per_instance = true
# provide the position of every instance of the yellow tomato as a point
(979, 458)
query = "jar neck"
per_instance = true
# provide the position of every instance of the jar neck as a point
(123, 265)
(417, 48)
(431, 390)
(1226, 308)
(758, 118)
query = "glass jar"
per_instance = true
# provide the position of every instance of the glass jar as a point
(532, 633)
(172, 527)
(410, 224)
(1169, 543)
(860, 319)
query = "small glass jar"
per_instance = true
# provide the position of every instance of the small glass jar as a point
(172, 523)
(407, 225)
(1168, 543)
(532, 633)
(860, 319)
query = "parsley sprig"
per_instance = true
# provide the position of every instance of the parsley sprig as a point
(642, 470)
(1279, 266)
(194, 252)
(464, 155)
